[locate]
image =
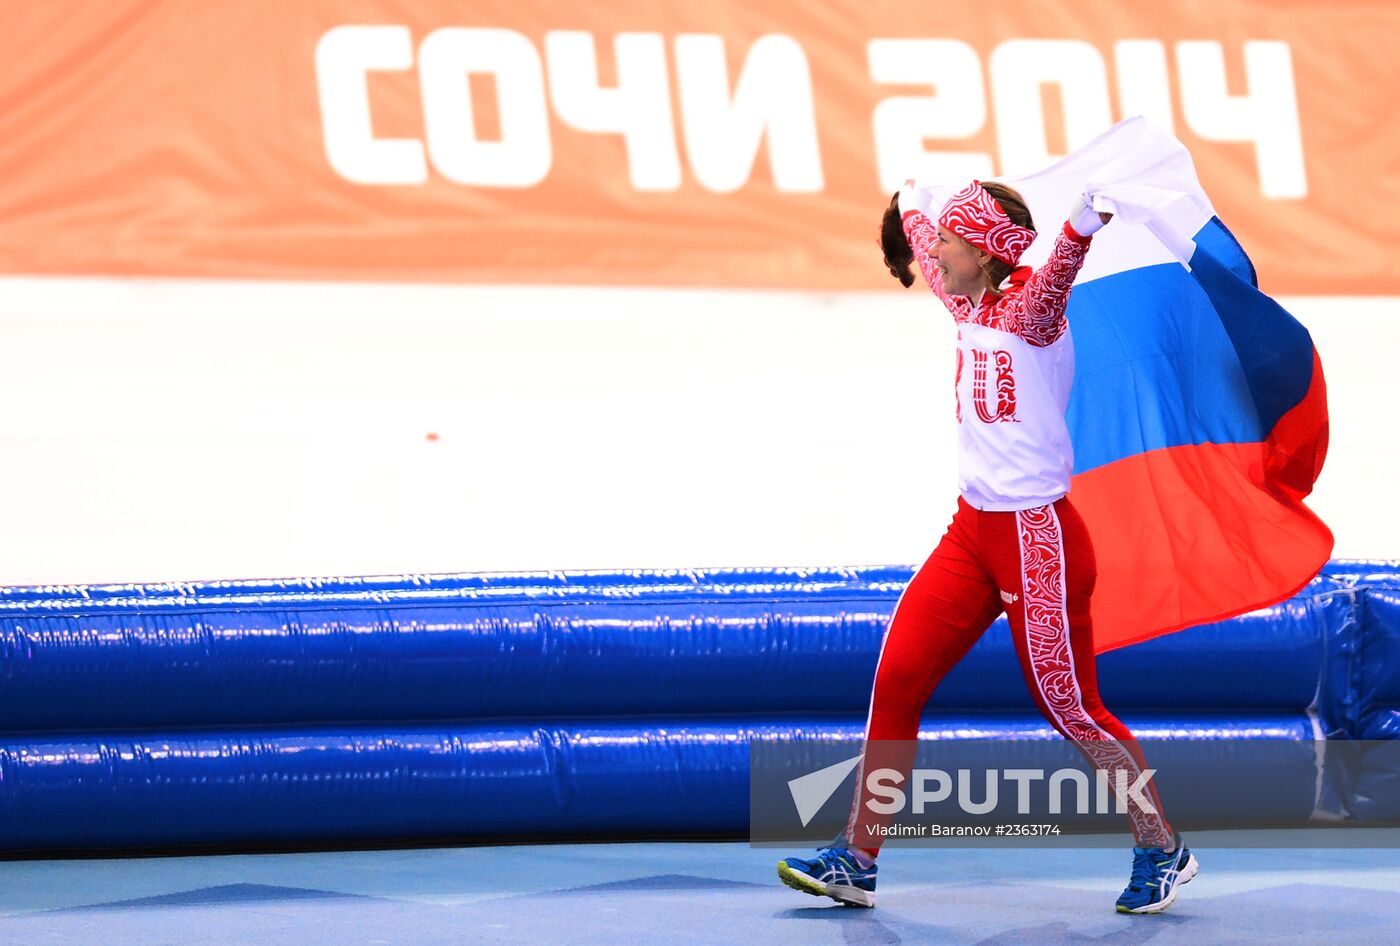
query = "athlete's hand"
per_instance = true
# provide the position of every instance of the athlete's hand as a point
(912, 197)
(1086, 221)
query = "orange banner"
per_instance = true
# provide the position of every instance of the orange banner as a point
(635, 143)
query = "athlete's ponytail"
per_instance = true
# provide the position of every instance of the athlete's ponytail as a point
(1015, 206)
(898, 256)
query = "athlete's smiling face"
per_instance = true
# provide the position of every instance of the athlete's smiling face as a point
(959, 264)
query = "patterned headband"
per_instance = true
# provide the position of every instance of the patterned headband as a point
(974, 215)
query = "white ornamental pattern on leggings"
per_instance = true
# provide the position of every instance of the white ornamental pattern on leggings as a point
(1052, 662)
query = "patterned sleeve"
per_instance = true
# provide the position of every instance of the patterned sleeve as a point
(1037, 314)
(920, 232)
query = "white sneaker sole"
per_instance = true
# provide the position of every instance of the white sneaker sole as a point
(1182, 879)
(844, 894)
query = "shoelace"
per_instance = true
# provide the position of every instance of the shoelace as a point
(830, 856)
(1144, 867)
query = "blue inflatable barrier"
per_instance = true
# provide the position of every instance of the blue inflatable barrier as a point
(476, 707)
(585, 645)
(681, 777)
(1364, 572)
(1378, 666)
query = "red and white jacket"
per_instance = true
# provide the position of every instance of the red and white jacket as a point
(1014, 371)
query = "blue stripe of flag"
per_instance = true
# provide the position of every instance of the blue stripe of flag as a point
(1168, 358)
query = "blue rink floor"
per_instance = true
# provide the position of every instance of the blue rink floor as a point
(692, 893)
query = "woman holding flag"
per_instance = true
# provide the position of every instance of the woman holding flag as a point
(1016, 543)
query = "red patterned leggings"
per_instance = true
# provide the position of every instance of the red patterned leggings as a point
(1038, 566)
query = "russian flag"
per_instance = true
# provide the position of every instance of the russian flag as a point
(1198, 413)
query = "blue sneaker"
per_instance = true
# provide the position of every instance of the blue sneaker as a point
(833, 873)
(1156, 877)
